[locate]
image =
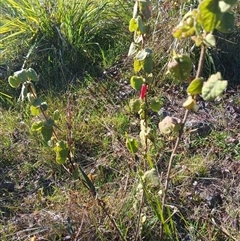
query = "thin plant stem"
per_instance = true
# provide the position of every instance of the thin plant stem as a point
(198, 74)
(42, 111)
(146, 129)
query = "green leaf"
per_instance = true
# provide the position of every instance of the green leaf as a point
(136, 82)
(147, 64)
(14, 82)
(21, 75)
(137, 66)
(34, 110)
(61, 150)
(132, 144)
(210, 40)
(226, 5)
(180, 67)
(56, 115)
(44, 106)
(141, 55)
(37, 102)
(133, 25)
(141, 27)
(227, 23)
(190, 104)
(209, 14)
(135, 105)
(46, 132)
(49, 123)
(214, 87)
(155, 105)
(37, 126)
(195, 86)
(31, 74)
(133, 49)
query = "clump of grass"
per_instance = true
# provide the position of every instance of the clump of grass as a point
(62, 39)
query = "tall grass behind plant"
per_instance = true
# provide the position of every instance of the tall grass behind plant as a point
(62, 39)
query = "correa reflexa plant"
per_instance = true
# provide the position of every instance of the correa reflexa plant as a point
(46, 125)
(198, 24)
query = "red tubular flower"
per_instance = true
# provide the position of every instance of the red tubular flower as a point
(143, 91)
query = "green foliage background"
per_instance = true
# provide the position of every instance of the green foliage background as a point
(69, 44)
(62, 39)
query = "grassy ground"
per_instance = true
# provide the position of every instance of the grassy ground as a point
(39, 200)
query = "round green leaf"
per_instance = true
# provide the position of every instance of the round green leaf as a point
(133, 25)
(37, 126)
(155, 105)
(141, 55)
(34, 110)
(61, 150)
(226, 5)
(46, 133)
(210, 40)
(190, 104)
(195, 86)
(141, 27)
(31, 74)
(49, 123)
(136, 82)
(44, 106)
(135, 105)
(214, 87)
(180, 67)
(148, 64)
(227, 23)
(137, 65)
(14, 82)
(209, 14)
(21, 75)
(37, 102)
